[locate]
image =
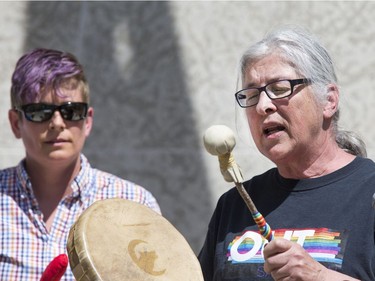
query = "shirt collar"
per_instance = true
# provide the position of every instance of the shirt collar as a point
(80, 184)
(23, 178)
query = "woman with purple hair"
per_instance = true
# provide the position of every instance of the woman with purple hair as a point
(45, 193)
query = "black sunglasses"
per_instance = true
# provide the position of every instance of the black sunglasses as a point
(41, 112)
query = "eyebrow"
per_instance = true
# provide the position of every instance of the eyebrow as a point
(252, 85)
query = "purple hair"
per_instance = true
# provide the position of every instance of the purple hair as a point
(42, 70)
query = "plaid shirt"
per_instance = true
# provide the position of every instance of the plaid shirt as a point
(26, 246)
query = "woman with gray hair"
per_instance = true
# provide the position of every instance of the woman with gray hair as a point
(291, 99)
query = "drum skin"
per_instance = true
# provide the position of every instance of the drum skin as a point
(117, 239)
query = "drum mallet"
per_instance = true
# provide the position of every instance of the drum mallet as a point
(219, 140)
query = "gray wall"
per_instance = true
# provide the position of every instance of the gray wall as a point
(161, 73)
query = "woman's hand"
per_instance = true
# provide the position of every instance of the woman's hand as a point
(286, 260)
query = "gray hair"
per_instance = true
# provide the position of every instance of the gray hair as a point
(311, 60)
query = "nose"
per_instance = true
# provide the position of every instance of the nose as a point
(265, 105)
(57, 122)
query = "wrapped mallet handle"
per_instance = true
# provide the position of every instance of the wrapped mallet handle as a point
(219, 140)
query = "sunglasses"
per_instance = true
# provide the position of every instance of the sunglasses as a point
(41, 112)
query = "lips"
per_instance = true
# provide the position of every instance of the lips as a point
(56, 141)
(273, 129)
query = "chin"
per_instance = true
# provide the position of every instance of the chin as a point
(61, 156)
(276, 154)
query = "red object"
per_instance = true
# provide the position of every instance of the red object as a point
(56, 268)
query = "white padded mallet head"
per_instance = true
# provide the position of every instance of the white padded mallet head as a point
(219, 140)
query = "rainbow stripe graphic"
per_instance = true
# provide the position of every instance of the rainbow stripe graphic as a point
(323, 244)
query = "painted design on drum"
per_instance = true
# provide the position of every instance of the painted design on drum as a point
(145, 260)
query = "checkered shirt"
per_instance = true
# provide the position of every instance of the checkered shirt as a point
(26, 246)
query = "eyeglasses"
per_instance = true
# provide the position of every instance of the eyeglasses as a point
(274, 90)
(41, 112)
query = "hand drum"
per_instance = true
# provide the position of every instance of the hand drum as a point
(117, 239)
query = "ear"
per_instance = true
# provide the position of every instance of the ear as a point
(332, 102)
(15, 120)
(89, 121)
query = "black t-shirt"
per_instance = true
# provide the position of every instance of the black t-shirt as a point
(330, 216)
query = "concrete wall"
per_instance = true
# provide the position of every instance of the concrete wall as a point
(161, 73)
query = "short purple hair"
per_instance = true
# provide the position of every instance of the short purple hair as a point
(42, 70)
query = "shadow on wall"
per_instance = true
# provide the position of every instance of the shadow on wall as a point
(144, 128)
